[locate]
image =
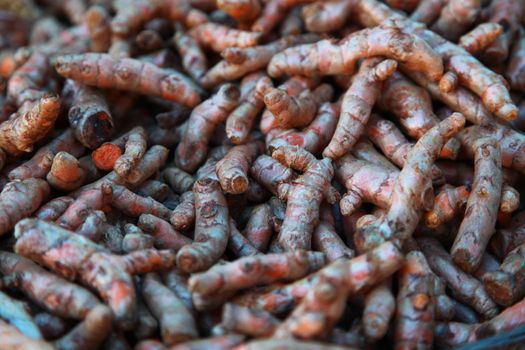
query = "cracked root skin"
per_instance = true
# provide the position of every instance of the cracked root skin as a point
(304, 196)
(465, 287)
(211, 228)
(320, 58)
(105, 71)
(479, 222)
(357, 105)
(412, 192)
(415, 311)
(324, 302)
(76, 258)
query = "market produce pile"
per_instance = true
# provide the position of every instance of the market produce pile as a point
(247, 174)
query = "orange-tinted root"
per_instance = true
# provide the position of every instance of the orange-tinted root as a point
(505, 285)
(357, 105)
(134, 150)
(511, 142)
(515, 72)
(296, 111)
(97, 20)
(241, 120)
(412, 192)
(453, 333)
(456, 18)
(89, 114)
(409, 50)
(465, 287)
(365, 150)
(91, 332)
(65, 173)
(326, 240)
(507, 239)
(415, 305)
(183, 216)
(510, 318)
(507, 14)
(134, 205)
(211, 228)
(316, 136)
(305, 194)
(365, 182)
(232, 170)
(479, 222)
(272, 13)
(150, 164)
(255, 270)
(378, 311)
(219, 37)
(32, 122)
(394, 145)
(459, 99)
(179, 180)
(104, 71)
(412, 106)
(105, 156)
(324, 302)
(29, 81)
(241, 10)
(92, 199)
(270, 173)
(259, 228)
(165, 236)
(448, 202)
(53, 209)
(277, 298)
(10, 61)
(176, 322)
(473, 75)
(253, 323)
(193, 59)
(481, 37)
(76, 258)
(193, 147)
(322, 17)
(240, 61)
(291, 87)
(389, 139)
(20, 199)
(12, 339)
(448, 82)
